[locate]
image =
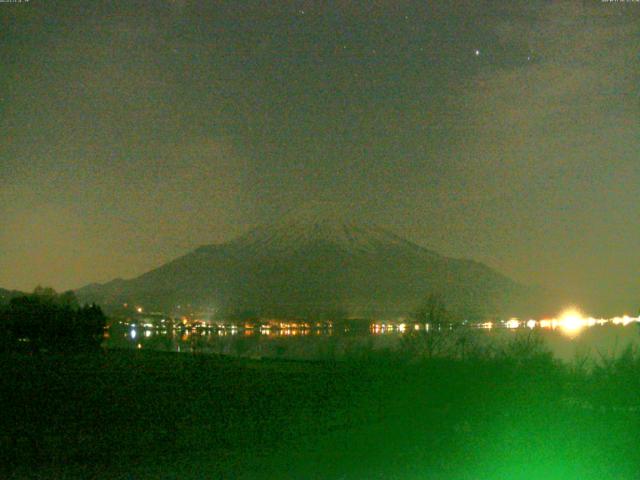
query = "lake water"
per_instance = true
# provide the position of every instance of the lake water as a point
(607, 339)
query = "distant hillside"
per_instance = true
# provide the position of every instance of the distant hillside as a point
(314, 263)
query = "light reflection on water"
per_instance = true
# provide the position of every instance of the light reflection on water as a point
(568, 336)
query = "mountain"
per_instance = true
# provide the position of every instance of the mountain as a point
(316, 262)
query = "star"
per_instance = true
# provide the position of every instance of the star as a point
(477, 52)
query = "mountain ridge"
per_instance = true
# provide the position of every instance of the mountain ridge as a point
(316, 264)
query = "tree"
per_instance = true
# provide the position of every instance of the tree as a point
(90, 325)
(46, 320)
(433, 311)
(431, 340)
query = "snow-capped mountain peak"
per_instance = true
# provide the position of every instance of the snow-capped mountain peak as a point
(312, 261)
(321, 224)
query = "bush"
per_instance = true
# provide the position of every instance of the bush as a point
(615, 379)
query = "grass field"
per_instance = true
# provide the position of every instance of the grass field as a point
(142, 414)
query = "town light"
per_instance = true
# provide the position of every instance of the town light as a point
(571, 321)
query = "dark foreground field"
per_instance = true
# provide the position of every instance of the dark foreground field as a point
(139, 415)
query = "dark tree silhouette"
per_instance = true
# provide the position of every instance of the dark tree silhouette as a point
(45, 320)
(433, 340)
(433, 311)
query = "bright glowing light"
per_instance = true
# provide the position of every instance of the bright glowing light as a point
(513, 323)
(624, 321)
(545, 323)
(571, 321)
(139, 309)
(133, 334)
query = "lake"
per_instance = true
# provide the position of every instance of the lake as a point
(308, 342)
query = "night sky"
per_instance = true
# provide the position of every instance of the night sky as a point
(507, 132)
